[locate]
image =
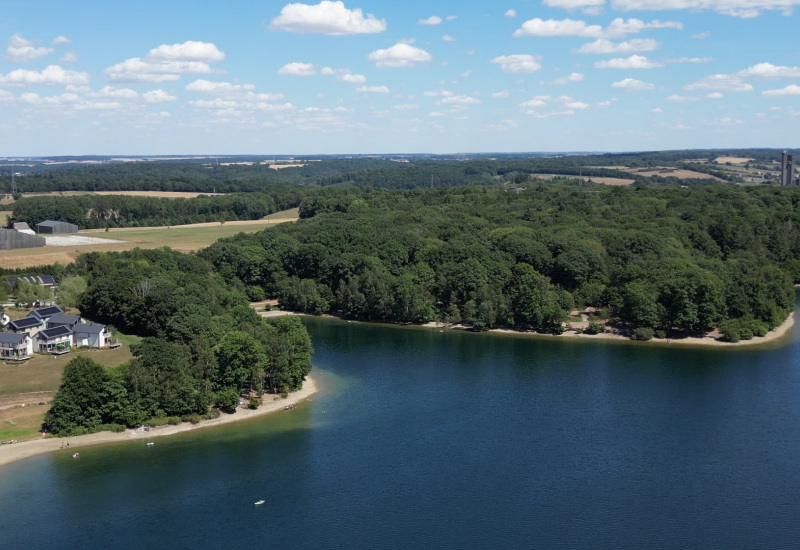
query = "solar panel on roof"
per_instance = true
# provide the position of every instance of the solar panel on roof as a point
(26, 322)
(54, 332)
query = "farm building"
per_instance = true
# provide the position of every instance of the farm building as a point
(44, 280)
(11, 240)
(51, 227)
(23, 227)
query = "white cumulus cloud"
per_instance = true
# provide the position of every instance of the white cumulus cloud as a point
(518, 63)
(373, 89)
(574, 4)
(792, 89)
(52, 75)
(723, 82)
(167, 63)
(61, 40)
(157, 96)
(605, 46)
(400, 55)
(510, 13)
(571, 27)
(768, 70)
(632, 62)
(432, 20)
(737, 8)
(633, 84)
(331, 18)
(352, 78)
(298, 69)
(21, 50)
(501, 95)
(573, 77)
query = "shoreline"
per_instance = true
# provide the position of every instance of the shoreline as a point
(711, 340)
(26, 449)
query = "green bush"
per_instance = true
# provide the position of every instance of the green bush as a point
(255, 402)
(594, 328)
(212, 414)
(642, 333)
(116, 428)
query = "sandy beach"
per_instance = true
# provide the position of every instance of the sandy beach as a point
(25, 449)
(713, 339)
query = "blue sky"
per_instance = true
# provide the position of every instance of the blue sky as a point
(370, 76)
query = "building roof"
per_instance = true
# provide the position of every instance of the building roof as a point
(19, 226)
(25, 322)
(45, 280)
(54, 332)
(49, 311)
(63, 319)
(49, 223)
(86, 328)
(11, 338)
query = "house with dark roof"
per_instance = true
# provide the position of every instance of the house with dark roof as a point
(91, 335)
(27, 325)
(44, 280)
(53, 340)
(44, 313)
(62, 319)
(52, 227)
(15, 347)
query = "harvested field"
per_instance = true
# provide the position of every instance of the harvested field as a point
(680, 174)
(610, 181)
(185, 238)
(732, 160)
(4, 215)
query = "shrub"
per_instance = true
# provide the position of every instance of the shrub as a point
(642, 333)
(116, 428)
(212, 414)
(255, 402)
(660, 334)
(594, 328)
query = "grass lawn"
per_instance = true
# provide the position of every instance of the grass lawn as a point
(184, 238)
(4, 215)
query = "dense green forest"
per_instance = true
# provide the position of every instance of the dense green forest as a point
(662, 261)
(203, 345)
(97, 211)
(393, 172)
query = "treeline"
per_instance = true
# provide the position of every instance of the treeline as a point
(413, 171)
(661, 261)
(203, 345)
(98, 211)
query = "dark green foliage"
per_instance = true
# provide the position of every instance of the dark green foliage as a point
(642, 333)
(677, 260)
(594, 328)
(78, 405)
(203, 345)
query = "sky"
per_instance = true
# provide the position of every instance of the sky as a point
(173, 77)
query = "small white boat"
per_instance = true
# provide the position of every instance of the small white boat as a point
(150, 444)
(259, 502)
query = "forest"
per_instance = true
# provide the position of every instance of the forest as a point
(202, 345)
(660, 261)
(390, 171)
(98, 211)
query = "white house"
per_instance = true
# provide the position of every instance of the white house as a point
(54, 340)
(15, 346)
(62, 319)
(27, 325)
(93, 336)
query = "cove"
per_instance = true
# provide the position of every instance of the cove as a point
(428, 439)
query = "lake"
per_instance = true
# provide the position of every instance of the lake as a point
(428, 439)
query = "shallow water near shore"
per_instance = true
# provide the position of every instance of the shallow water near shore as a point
(420, 438)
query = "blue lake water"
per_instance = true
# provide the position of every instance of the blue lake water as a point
(422, 439)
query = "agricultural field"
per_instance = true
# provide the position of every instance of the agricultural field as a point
(185, 238)
(680, 174)
(4, 215)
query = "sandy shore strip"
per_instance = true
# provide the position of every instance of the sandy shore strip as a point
(714, 339)
(25, 449)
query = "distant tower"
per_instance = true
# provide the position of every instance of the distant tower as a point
(13, 182)
(787, 169)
